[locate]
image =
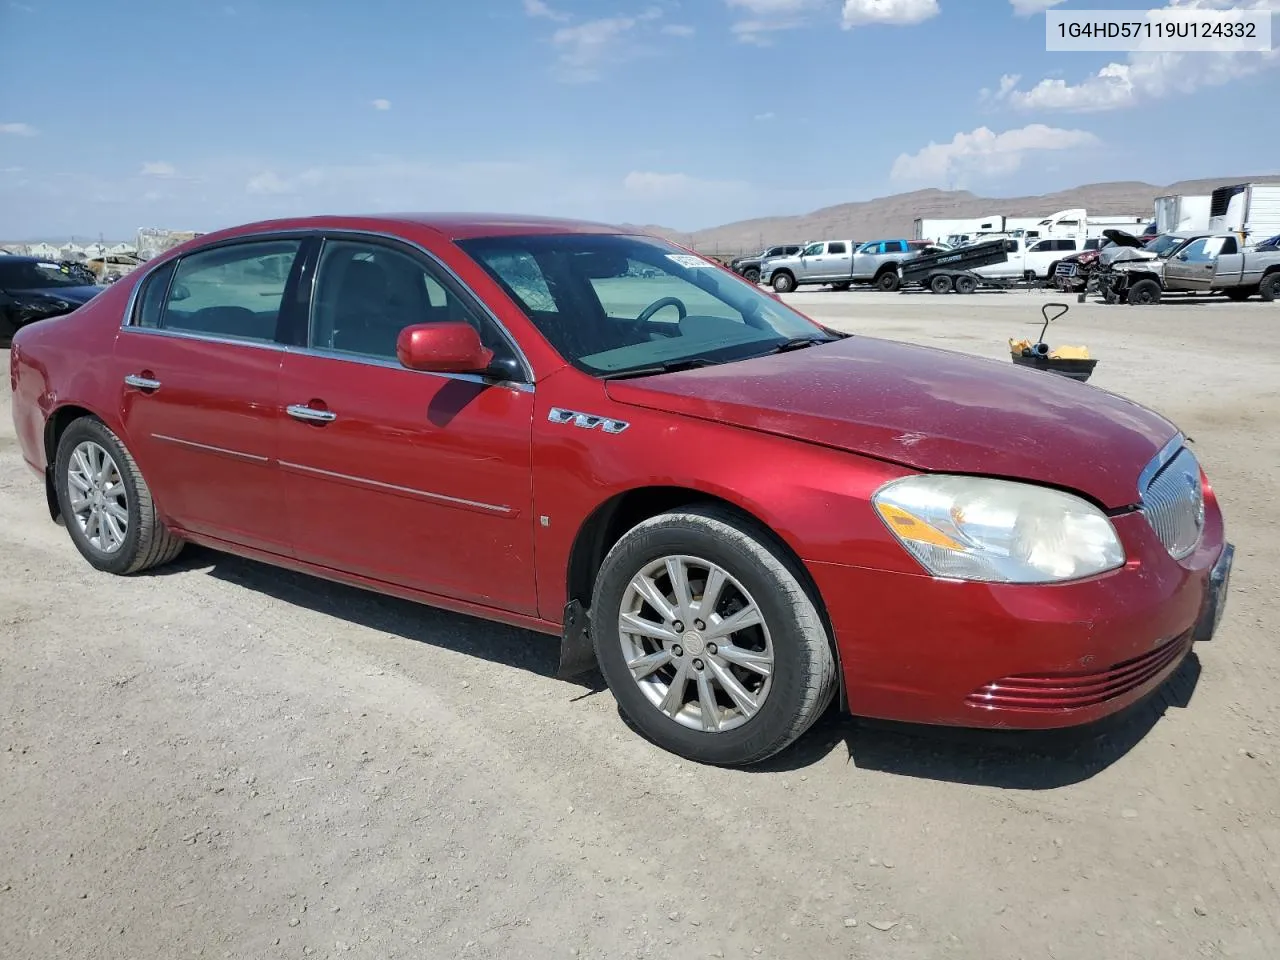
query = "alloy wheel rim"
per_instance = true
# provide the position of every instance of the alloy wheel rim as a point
(98, 497)
(696, 643)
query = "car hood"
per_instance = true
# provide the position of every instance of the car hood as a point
(1122, 238)
(927, 409)
(76, 295)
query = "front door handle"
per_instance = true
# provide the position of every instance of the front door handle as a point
(300, 411)
(142, 383)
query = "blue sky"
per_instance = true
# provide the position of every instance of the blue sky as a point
(194, 115)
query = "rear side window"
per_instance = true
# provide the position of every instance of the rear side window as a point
(233, 292)
(150, 302)
(836, 248)
(1229, 246)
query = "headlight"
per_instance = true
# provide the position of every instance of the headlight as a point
(971, 528)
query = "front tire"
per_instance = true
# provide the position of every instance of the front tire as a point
(783, 283)
(106, 504)
(752, 274)
(711, 645)
(1144, 293)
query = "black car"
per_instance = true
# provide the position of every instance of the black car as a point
(749, 267)
(33, 289)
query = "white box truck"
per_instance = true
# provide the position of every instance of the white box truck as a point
(1177, 212)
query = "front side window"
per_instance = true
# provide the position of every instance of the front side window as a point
(813, 249)
(233, 291)
(1197, 251)
(615, 304)
(366, 293)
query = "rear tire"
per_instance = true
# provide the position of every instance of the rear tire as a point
(106, 504)
(965, 285)
(1145, 293)
(940, 283)
(887, 281)
(783, 283)
(1269, 289)
(668, 703)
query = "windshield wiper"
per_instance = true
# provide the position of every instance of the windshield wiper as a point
(671, 366)
(798, 343)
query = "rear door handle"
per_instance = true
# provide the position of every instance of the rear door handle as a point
(142, 383)
(300, 411)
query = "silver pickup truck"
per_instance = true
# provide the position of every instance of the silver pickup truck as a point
(1212, 264)
(841, 263)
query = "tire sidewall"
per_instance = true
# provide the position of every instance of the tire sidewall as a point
(791, 667)
(91, 429)
(783, 283)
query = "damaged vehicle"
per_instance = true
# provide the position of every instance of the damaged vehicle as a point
(1216, 263)
(34, 289)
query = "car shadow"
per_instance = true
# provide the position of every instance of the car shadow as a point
(1008, 759)
(537, 653)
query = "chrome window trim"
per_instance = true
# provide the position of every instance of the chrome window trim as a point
(323, 354)
(320, 233)
(1159, 461)
(412, 491)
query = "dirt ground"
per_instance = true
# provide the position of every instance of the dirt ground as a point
(224, 760)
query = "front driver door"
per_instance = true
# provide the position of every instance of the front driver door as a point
(417, 479)
(1192, 267)
(810, 261)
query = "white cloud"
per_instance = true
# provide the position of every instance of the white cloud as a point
(268, 183)
(536, 8)
(586, 47)
(18, 129)
(158, 168)
(678, 30)
(983, 154)
(1143, 77)
(898, 13)
(767, 115)
(667, 186)
(766, 17)
(381, 104)
(1029, 8)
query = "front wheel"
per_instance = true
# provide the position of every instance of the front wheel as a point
(1144, 293)
(752, 274)
(106, 504)
(712, 646)
(783, 283)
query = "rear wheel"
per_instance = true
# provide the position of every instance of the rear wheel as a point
(106, 504)
(966, 284)
(1144, 293)
(1269, 289)
(783, 283)
(708, 640)
(887, 281)
(940, 283)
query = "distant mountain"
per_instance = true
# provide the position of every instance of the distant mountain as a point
(895, 216)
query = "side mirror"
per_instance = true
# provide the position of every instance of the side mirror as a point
(1181, 256)
(443, 348)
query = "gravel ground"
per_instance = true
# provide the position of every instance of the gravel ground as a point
(221, 759)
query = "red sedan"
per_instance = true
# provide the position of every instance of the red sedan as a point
(738, 514)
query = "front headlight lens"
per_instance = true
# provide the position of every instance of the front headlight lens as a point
(998, 531)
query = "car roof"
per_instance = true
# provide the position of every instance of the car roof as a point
(451, 226)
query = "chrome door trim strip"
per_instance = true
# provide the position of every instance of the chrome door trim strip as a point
(202, 337)
(207, 448)
(395, 488)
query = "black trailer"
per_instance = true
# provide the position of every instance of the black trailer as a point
(948, 270)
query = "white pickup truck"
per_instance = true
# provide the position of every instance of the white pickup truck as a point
(1034, 259)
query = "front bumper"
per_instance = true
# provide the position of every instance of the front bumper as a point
(922, 650)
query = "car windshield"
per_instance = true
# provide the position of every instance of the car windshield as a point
(613, 304)
(35, 275)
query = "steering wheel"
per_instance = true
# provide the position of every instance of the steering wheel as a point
(647, 313)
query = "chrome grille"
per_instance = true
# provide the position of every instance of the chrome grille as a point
(1173, 503)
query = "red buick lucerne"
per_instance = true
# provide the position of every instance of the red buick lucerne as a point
(736, 513)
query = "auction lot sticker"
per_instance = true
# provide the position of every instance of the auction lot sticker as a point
(688, 260)
(1168, 30)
